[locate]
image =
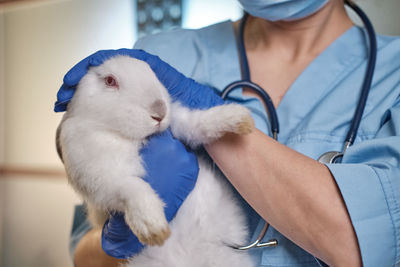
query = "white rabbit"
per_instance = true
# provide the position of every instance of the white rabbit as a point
(115, 107)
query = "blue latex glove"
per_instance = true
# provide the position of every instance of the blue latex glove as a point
(172, 172)
(186, 90)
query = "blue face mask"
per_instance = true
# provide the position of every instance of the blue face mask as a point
(274, 10)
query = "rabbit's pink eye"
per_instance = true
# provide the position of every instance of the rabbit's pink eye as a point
(110, 81)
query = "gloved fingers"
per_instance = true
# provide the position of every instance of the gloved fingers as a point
(101, 56)
(154, 159)
(116, 216)
(200, 96)
(186, 90)
(116, 228)
(166, 74)
(164, 139)
(189, 92)
(180, 194)
(68, 88)
(166, 134)
(64, 95)
(117, 240)
(75, 74)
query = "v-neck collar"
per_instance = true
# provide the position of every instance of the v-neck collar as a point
(320, 77)
(316, 80)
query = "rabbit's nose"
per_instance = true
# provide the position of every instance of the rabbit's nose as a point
(158, 110)
(159, 119)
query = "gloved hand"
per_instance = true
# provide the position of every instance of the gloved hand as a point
(172, 172)
(186, 90)
(181, 172)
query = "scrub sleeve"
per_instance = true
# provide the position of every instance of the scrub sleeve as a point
(369, 180)
(80, 227)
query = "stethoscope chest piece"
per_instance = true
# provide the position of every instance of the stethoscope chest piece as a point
(331, 157)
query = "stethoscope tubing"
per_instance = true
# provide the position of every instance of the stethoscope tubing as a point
(244, 62)
(355, 123)
(273, 117)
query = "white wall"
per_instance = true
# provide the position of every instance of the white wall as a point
(199, 13)
(384, 15)
(41, 44)
(2, 109)
(37, 222)
(41, 41)
(2, 90)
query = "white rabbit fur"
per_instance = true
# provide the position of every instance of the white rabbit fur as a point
(99, 140)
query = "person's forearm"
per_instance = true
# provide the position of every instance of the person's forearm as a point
(295, 194)
(89, 253)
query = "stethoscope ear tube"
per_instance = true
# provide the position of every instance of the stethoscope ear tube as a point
(273, 117)
(335, 156)
(352, 133)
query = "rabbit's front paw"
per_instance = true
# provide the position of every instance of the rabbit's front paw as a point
(149, 224)
(246, 125)
(236, 119)
(153, 233)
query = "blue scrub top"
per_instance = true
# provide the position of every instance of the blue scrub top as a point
(314, 116)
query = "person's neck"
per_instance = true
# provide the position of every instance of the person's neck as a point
(300, 39)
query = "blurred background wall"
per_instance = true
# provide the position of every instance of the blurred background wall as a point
(2, 115)
(39, 41)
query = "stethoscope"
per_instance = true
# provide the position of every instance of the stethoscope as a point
(328, 157)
